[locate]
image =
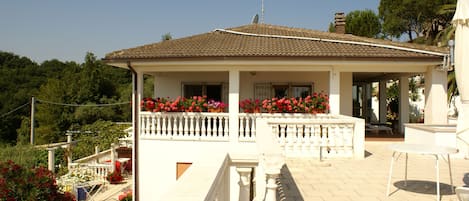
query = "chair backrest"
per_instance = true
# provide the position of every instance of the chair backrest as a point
(462, 193)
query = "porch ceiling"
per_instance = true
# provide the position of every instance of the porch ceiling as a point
(377, 76)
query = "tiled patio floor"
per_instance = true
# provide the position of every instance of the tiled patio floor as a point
(363, 180)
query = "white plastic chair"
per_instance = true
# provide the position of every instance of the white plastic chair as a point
(462, 193)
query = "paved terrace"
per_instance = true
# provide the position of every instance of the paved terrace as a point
(366, 180)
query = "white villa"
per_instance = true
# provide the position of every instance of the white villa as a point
(232, 154)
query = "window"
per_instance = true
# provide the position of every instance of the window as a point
(291, 90)
(212, 91)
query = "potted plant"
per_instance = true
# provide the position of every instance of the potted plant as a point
(115, 177)
(216, 106)
(251, 106)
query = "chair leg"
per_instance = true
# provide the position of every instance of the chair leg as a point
(390, 173)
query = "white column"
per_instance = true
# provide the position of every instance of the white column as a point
(382, 101)
(271, 191)
(436, 104)
(51, 159)
(233, 105)
(96, 152)
(244, 183)
(69, 150)
(140, 88)
(138, 80)
(334, 92)
(403, 102)
(113, 157)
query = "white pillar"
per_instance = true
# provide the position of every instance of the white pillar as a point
(244, 183)
(113, 157)
(334, 92)
(137, 92)
(382, 102)
(403, 102)
(233, 105)
(436, 104)
(69, 150)
(96, 152)
(271, 191)
(51, 159)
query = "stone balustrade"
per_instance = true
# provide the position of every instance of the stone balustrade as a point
(300, 135)
(202, 126)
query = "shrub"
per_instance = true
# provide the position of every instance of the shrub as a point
(19, 183)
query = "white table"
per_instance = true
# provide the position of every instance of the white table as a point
(437, 151)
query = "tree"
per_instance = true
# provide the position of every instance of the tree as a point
(166, 36)
(419, 18)
(363, 23)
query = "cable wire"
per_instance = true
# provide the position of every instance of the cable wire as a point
(80, 105)
(14, 110)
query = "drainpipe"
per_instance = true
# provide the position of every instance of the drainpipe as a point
(136, 124)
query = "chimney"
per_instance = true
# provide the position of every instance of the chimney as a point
(339, 22)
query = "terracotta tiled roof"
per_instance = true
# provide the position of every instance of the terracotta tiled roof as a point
(262, 40)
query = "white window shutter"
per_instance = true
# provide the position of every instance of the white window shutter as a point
(262, 91)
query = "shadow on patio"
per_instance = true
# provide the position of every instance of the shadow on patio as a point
(366, 179)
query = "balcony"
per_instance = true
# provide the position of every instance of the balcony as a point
(261, 143)
(299, 135)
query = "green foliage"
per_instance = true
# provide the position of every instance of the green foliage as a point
(331, 27)
(24, 155)
(101, 134)
(20, 183)
(90, 83)
(452, 86)
(421, 18)
(363, 23)
(166, 36)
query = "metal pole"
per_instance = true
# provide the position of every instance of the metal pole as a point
(32, 121)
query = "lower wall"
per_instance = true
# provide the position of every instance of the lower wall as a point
(158, 170)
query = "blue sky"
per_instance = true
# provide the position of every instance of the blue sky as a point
(66, 30)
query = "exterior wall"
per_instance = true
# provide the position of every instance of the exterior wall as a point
(159, 158)
(319, 79)
(346, 103)
(169, 84)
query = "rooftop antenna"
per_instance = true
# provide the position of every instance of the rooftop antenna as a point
(262, 11)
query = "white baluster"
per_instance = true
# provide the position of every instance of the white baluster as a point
(186, 125)
(290, 139)
(227, 129)
(241, 127)
(306, 141)
(153, 122)
(283, 136)
(180, 120)
(271, 187)
(144, 123)
(244, 183)
(197, 126)
(158, 125)
(220, 127)
(191, 126)
(324, 140)
(332, 140)
(204, 129)
(247, 130)
(253, 128)
(209, 126)
(163, 126)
